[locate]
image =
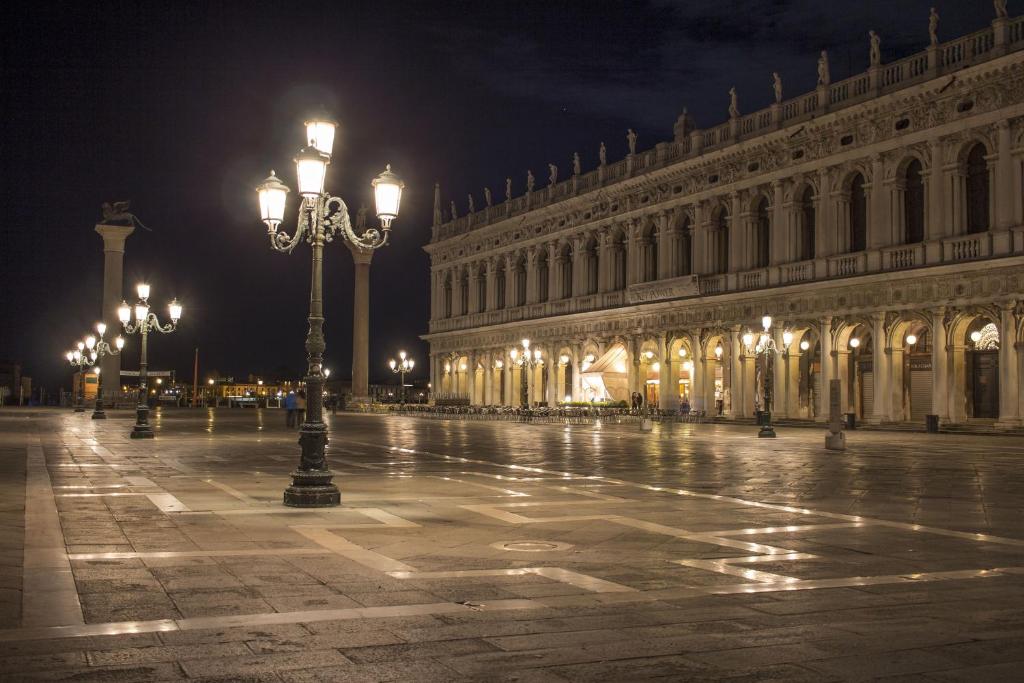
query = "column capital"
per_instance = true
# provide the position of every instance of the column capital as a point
(360, 256)
(114, 235)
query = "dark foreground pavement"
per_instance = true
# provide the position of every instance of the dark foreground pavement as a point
(499, 551)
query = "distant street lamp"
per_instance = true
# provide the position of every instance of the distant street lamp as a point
(99, 348)
(145, 322)
(81, 359)
(525, 360)
(764, 345)
(400, 367)
(321, 218)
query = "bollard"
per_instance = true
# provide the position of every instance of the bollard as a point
(835, 440)
(646, 425)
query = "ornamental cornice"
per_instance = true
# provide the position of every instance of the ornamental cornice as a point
(955, 289)
(943, 104)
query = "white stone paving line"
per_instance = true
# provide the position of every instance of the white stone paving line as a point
(49, 594)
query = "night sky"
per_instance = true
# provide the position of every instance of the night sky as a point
(184, 107)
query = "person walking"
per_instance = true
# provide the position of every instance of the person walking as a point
(290, 403)
(300, 409)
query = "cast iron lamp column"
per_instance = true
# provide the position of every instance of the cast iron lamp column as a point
(765, 346)
(145, 322)
(79, 358)
(526, 362)
(321, 218)
(98, 349)
(400, 367)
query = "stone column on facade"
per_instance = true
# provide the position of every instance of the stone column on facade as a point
(737, 236)
(698, 377)
(896, 407)
(880, 371)
(551, 366)
(827, 367)
(473, 280)
(735, 404)
(577, 378)
(491, 275)
(579, 276)
(846, 378)
(878, 223)
(666, 245)
(940, 365)
(824, 231)
(114, 237)
(488, 371)
(554, 272)
(361, 325)
(632, 229)
(1003, 199)
(779, 236)
(699, 243)
(780, 378)
(1009, 414)
(532, 290)
(668, 380)
(793, 356)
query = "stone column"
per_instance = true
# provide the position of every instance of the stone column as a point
(474, 395)
(880, 371)
(779, 240)
(551, 366)
(114, 237)
(577, 380)
(940, 365)
(1008, 367)
(935, 229)
(475, 304)
(737, 236)
(780, 378)
(554, 273)
(698, 377)
(827, 367)
(488, 363)
(735, 405)
(878, 224)
(361, 325)
(668, 383)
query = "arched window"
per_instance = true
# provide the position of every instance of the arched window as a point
(721, 237)
(464, 293)
(593, 263)
(566, 266)
(481, 289)
(977, 190)
(762, 235)
(619, 254)
(499, 285)
(684, 247)
(858, 215)
(913, 203)
(649, 247)
(542, 274)
(808, 220)
(447, 296)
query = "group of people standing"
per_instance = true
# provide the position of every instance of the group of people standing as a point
(295, 406)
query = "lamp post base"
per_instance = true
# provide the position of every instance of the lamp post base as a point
(766, 432)
(79, 409)
(142, 432)
(99, 415)
(312, 489)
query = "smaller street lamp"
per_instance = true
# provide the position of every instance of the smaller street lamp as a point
(525, 360)
(145, 322)
(99, 348)
(79, 358)
(765, 346)
(400, 367)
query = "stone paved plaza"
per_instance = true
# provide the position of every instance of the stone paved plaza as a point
(486, 551)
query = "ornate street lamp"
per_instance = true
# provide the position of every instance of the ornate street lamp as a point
(99, 348)
(145, 322)
(764, 345)
(321, 218)
(525, 360)
(400, 367)
(81, 359)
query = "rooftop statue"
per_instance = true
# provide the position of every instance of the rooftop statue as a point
(487, 196)
(734, 105)
(602, 154)
(1000, 6)
(529, 181)
(552, 174)
(823, 75)
(777, 85)
(876, 48)
(116, 213)
(455, 214)
(933, 26)
(508, 189)
(472, 204)
(576, 163)
(631, 140)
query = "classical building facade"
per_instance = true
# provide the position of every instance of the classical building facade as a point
(879, 220)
